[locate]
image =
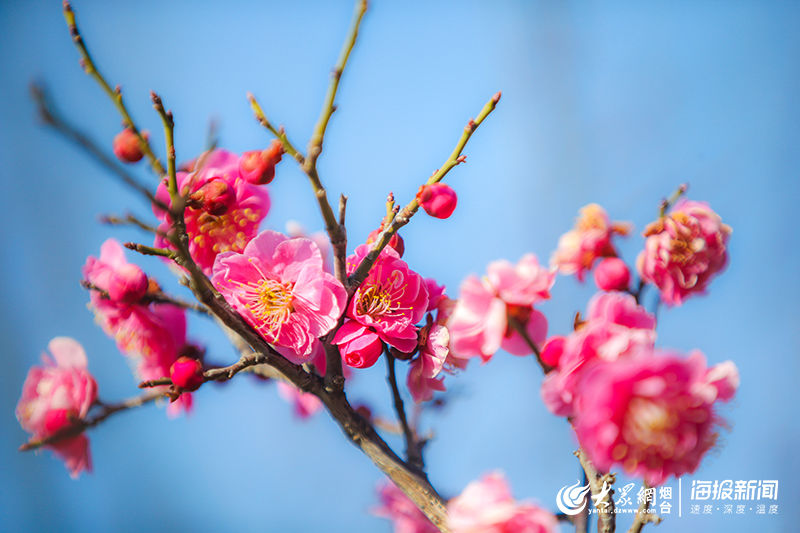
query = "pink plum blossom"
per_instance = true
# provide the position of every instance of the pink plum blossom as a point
(652, 414)
(437, 199)
(615, 327)
(399, 508)
(211, 234)
(590, 239)
(487, 506)
(428, 364)
(54, 395)
(152, 334)
(391, 300)
(684, 250)
(279, 287)
(479, 323)
(360, 346)
(305, 404)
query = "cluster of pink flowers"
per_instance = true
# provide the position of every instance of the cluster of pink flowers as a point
(485, 506)
(57, 395)
(386, 307)
(479, 324)
(651, 413)
(684, 250)
(424, 372)
(280, 288)
(153, 334)
(589, 240)
(225, 209)
(615, 327)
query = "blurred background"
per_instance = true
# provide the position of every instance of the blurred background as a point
(610, 103)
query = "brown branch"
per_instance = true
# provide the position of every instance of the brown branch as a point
(606, 519)
(520, 329)
(115, 94)
(413, 453)
(643, 516)
(51, 117)
(79, 426)
(150, 297)
(404, 215)
(131, 220)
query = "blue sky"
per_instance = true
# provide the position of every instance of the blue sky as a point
(615, 103)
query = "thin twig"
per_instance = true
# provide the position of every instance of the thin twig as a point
(404, 215)
(115, 94)
(606, 517)
(669, 202)
(642, 515)
(413, 454)
(150, 250)
(315, 144)
(131, 220)
(279, 134)
(51, 117)
(79, 426)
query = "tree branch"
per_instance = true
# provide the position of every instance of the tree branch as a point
(404, 215)
(413, 453)
(606, 517)
(643, 517)
(79, 426)
(115, 94)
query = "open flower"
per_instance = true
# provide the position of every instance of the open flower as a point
(153, 335)
(391, 301)
(590, 239)
(615, 327)
(279, 287)
(57, 394)
(684, 250)
(234, 226)
(424, 369)
(652, 414)
(479, 324)
(487, 506)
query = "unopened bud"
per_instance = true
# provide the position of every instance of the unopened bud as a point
(612, 274)
(258, 167)
(127, 147)
(437, 199)
(187, 373)
(215, 197)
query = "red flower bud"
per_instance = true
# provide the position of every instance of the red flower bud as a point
(395, 242)
(187, 373)
(258, 167)
(437, 199)
(127, 147)
(215, 197)
(612, 274)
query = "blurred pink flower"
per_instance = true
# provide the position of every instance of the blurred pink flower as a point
(54, 395)
(152, 334)
(391, 301)
(486, 506)
(398, 508)
(479, 323)
(652, 414)
(428, 364)
(279, 287)
(615, 327)
(588, 240)
(211, 234)
(305, 404)
(684, 250)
